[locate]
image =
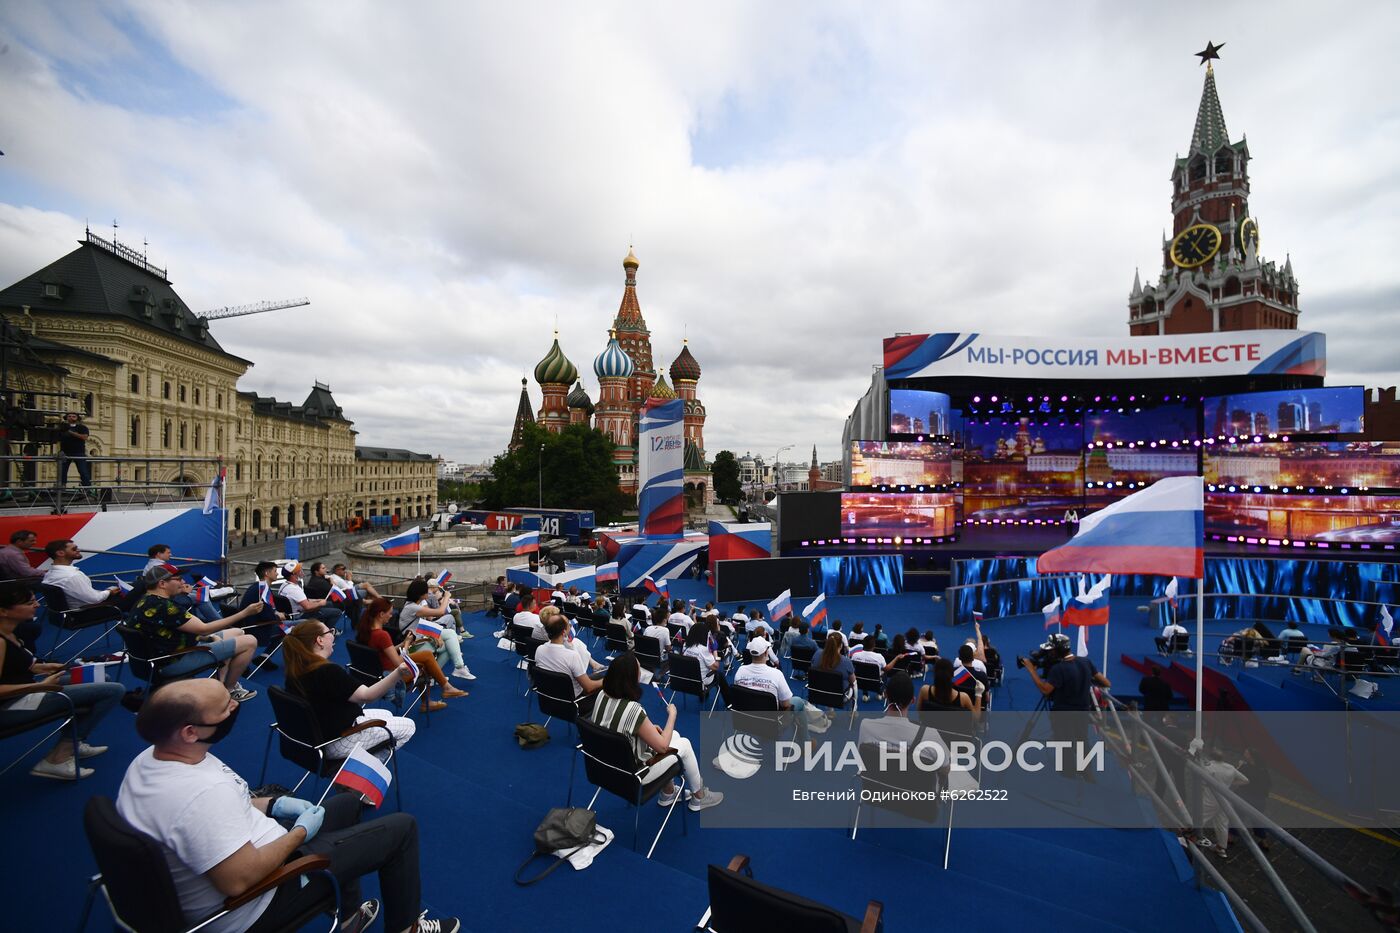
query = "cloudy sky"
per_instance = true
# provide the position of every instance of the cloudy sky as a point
(447, 181)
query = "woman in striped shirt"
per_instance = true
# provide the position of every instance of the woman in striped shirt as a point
(618, 708)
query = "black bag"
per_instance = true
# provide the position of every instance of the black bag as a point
(571, 828)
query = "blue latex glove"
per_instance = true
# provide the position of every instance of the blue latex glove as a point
(310, 820)
(288, 808)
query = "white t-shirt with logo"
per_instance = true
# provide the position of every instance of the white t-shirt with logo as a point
(533, 621)
(294, 593)
(201, 814)
(663, 635)
(765, 678)
(679, 618)
(562, 659)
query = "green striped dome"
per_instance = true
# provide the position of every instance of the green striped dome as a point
(555, 368)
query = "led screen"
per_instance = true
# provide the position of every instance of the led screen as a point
(1023, 457)
(1364, 465)
(1160, 425)
(1331, 520)
(901, 463)
(1335, 410)
(915, 411)
(891, 514)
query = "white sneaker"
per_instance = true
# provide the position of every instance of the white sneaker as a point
(500, 634)
(665, 799)
(463, 673)
(90, 751)
(712, 798)
(60, 771)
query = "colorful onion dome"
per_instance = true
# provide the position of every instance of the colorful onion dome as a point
(579, 398)
(613, 362)
(661, 390)
(555, 368)
(685, 366)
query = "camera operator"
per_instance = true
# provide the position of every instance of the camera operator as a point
(1067, 683)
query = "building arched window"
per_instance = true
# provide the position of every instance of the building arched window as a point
(238, 519)
(87, 404)
(198, 439)
(135, 383)
(257, 519)
(165, 433)
(184, 433)
(135, 439)
(276, 517)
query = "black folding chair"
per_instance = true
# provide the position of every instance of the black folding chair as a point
(869, 677)
(64, 711)
(756, 713)
(70, 620)
(524, 643)
(598, 624)
(554, 692)
(801, 658)
(366, 668)
(134, 878)
(611, 764)
(301, 742)
(897, 785)
(830, 689)
(617, 638)
(1295, 645)
(649, 655)
(148, 658)
(739, 903)
(686, 676)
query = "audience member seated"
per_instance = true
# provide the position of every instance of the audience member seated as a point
(835, 631)
(158, 554)
(343, 577)
(219, 840)
(833, 658)
(754, 623)
(446, 646)
(371, 632)
(14, 559)
(76, 585)
(318, 581)
(527, 616)
(263, 624)
(173, 629)
(857, 635)
(292, 591)
(878, 640)
(1169, 631)
(336, 699)
(18, 669)
(618, 708)
(799, 636)
(1156, 693)
(562, 655)
(1251, 643)
(439, 598)
(739, 620)
(657, 629)
(895, 729)
(898, 652)
(942, 696)
(760, 672)
(678, 615)
(866, 654)
(928, 644)
(701, 644)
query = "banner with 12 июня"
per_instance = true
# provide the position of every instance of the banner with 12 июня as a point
(1230, 353)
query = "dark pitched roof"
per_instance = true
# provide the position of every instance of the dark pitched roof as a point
(389, 453)
(322, 404)
(106, 279)
(267, 405)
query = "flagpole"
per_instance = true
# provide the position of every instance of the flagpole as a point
(1105, 647)
(1200, 647)
(331, 783)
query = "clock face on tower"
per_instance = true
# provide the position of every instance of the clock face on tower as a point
(1248, 234)
(1195, 245)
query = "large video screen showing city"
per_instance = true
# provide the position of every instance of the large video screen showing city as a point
(1033, 467)
(1162, 445)
(1360, 465)
(904, 463)
(916, 411)
(1333, 410)
(906, 515)
(1332, 520)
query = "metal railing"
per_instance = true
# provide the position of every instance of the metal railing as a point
(112, 482)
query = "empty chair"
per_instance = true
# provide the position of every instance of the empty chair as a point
(72, 621)
(300, 740)
(801, 658)
(135, 879)
(739, 903)
(522, 640)
(756, 713)
(611, 765)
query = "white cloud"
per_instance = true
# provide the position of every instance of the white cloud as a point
(446, 181)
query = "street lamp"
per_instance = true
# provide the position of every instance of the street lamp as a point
(775, 469)
(541, 465)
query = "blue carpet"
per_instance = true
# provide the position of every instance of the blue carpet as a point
(478, 797)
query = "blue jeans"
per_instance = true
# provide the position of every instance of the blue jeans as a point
(220, 651)
(205, 612)
(84, 470)
(91, 702)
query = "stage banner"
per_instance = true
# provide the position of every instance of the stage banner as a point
(1230, 353)
(740, 540)
(660, 454)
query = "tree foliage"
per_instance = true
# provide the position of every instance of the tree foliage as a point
(725, 473)
(570, 470)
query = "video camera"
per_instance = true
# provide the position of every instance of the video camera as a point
(1054, 650)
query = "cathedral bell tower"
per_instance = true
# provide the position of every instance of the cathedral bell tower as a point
(1213, 278)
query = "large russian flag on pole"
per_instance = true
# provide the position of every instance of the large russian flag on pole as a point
(527, 543)
(363, 773)
(815, 613)
(661, 466)
(407, 542)
(606, 572)
(1159, 530)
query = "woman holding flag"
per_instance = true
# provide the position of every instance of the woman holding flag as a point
(90, 701)
(426, 623)
(336, 699)
(371, 632)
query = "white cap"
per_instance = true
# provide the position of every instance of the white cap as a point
(758, 647)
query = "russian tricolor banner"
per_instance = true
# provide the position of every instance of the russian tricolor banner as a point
(1383, 630)
(527, 543)
(1156, 531)
(780, 606)
(406, 542)
(661, 469)
(442, 578)
(364, 774)
(427, 627)
(656, 586)
(340, 594)
(265, 594)
(1052, 612)
(88, 674)
(606, 572)
(815, 613)
(1089, 608)
(214, 497)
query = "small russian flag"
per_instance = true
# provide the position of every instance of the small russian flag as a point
(1383, 630)
(442, 578)
(340, 594)
(124, 586)
(201, 592)
(527, 543)
(407, 542)
(1171, 592)
(1052, 613)
(815, 613)
(88, 674)
(961, 676)
(656, 586)
(780, 606)
(428, 627)
(606, 572)
(265, 594)
(364, 774)
(413, 671)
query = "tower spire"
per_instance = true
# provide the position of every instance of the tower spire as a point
(523, 415)
(1210, 132)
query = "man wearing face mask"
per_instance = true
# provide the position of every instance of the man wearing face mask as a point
(219, 840)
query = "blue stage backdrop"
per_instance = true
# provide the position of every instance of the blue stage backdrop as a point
(764, 578)
(1286, 589)
(862, 576)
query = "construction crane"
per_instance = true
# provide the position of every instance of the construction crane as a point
(257, 307)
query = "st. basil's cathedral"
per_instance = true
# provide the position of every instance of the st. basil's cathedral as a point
(626, 379)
